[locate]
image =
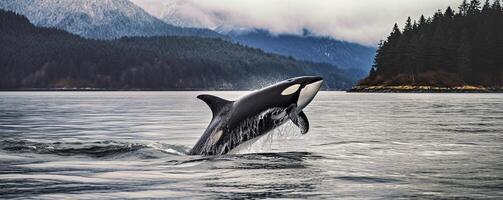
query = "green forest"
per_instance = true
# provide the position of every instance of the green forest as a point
(46, 58)
(453, 48)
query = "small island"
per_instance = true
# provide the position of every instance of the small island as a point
(453, 51)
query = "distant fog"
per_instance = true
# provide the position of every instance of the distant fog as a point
(363, 21)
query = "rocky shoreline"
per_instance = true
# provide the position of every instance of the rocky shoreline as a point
(426, 89)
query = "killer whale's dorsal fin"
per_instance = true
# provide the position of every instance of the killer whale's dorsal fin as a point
(215, 103)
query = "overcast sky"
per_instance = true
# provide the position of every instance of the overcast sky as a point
(363, 21)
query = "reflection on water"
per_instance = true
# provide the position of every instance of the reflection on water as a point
(91, 145)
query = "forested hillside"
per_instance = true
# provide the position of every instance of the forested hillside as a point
(311, 48)
(45, 58)
(451, 49)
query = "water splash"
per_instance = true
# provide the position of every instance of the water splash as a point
(246, 132)
(272, 141)
(263, 142)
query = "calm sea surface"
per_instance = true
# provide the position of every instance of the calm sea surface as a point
(102, 145)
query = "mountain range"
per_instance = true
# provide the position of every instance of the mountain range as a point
(110, 19)
(309, 47)
(34, 57)
(98, 19)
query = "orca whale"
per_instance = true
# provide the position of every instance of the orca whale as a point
(255, 114)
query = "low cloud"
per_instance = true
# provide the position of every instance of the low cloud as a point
(363, 21)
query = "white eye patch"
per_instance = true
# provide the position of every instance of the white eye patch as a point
(290, 90)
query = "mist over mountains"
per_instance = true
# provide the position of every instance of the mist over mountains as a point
(310, 47)
(305, 46)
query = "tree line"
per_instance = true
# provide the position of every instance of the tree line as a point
(452, 48)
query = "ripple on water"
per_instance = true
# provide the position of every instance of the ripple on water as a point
(96, 149)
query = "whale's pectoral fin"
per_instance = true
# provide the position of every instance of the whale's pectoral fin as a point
(215, 103)
(299, 119)
(303, 123)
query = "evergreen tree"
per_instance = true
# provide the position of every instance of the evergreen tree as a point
(474, 7)
(449, 13)
(496, 5)
(422, 21)
(486, 6)
(396, 32)
(463, 8)
(408, 24)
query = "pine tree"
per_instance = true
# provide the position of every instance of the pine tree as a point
(449, 13)
(396, 32)
(486, 7)
(474, 7)
(463, 8)
(422, 21)
(408, 24)
(391, 58)
(496, 5)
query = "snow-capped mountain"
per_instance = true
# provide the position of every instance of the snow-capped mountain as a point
(100, 19)
(181, 13)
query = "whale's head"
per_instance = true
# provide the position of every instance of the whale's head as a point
(300, 90)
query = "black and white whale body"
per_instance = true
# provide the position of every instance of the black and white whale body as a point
(255, 114)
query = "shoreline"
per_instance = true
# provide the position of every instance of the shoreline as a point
(424, 89)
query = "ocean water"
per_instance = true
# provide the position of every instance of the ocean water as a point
(132, 145)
